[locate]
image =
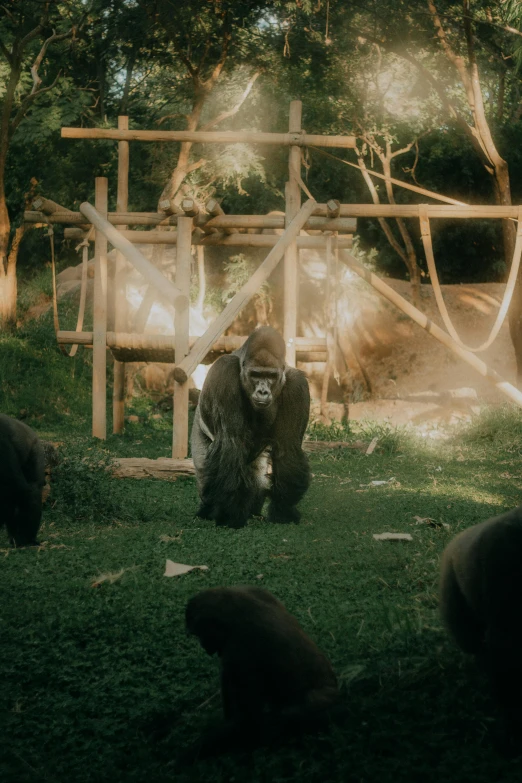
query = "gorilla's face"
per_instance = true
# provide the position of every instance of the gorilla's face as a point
(262, 385)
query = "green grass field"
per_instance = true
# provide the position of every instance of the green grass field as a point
(101, 683)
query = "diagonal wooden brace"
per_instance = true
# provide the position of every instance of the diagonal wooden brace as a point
(166, 289)
(236, 304)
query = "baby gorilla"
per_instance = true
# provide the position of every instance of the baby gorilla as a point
(273, 677)
(22, 477)
(480, 599)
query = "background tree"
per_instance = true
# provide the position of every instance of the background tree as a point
(27, 31)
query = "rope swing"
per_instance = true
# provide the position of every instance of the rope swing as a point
(508, 293)
(84, 244)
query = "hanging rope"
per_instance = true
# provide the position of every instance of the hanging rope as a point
(84, 244)
(508, 293)
(428, 249)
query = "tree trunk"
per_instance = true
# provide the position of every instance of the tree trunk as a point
(7, 266)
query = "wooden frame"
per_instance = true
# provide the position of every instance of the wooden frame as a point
(216, 228)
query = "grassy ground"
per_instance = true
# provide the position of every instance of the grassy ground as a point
(100, 683)
(90, 673)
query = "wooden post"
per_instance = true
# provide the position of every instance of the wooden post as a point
(293, 203)
(119, 287)
(181, 339)
(99, 338)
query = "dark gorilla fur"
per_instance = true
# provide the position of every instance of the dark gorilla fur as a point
(273, 676)
(251, 405)
(480, 602)
(22, 477)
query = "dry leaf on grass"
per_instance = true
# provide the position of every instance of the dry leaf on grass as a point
(110, 578)
(177, 569)
(372, 446)
(392, 537)
(429, 521)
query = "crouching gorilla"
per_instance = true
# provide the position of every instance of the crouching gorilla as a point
(480, 602)
(22, 477)
(252, 409)
(273, 676)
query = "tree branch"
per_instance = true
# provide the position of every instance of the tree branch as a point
(41, 54)
(30, 36)
(5, 51)
(454, 58)
(376, 200)
(230, 113)
(194, 166)
(15, 122)
(214, 76)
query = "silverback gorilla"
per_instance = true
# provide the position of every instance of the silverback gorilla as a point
(252, 408)
(22, 477)
(272, 673)
(480, 600)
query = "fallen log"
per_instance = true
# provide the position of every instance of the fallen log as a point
(169, 469)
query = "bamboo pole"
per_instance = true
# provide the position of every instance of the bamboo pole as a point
(168, 469)
(165, 288)
(134, 341)
(230, 240)
(412, 211)
(223, 321)
(181, 340)
(227, 222)
(481, 367)
(267, 240)
(99, 337)
(481, 211)
(216, 137)
(292, 204)
(119, 284)
(67, 217)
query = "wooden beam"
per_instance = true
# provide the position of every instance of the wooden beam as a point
(213, 137)
(230, 240)
(345, 225)
(412, 211)
(443, 337)
(116, 218)
(236, 304)
(119, 285)
(165, 288)
(181, 340)
(132, 341)
(480, 211)
(99, 338)
(169, 469)
(292, 204)
(269, 240)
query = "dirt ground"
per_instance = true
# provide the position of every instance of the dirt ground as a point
(414, 377)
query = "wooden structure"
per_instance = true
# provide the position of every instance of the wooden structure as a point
(336, 222)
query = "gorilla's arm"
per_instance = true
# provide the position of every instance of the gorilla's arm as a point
(227, 482)
(290, 471)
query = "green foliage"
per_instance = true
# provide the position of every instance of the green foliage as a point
(239, 270)
(37, 381)
(497, 427)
